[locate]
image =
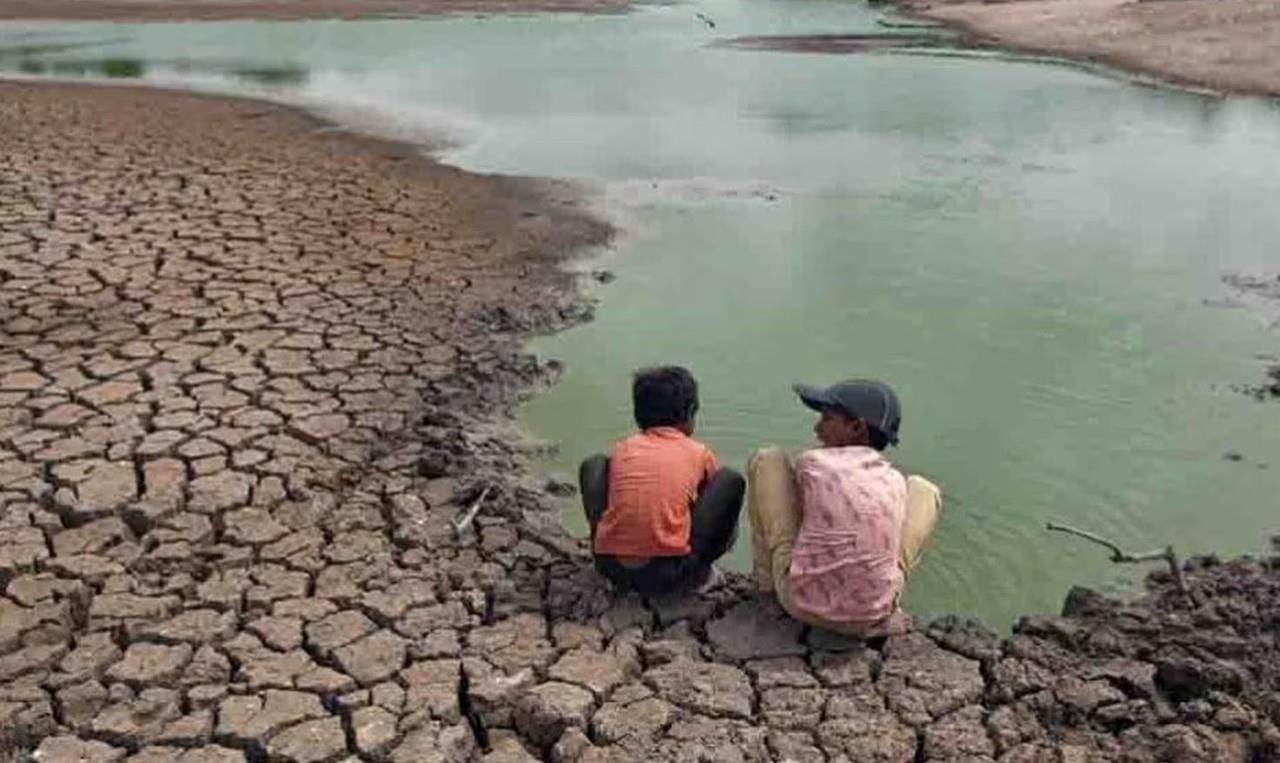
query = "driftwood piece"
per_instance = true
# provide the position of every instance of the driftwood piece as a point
(1120, 556)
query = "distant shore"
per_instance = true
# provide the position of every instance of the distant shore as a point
(1220, 45)
(281, 10)
(1226, 46)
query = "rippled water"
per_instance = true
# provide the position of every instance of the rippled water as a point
(1024, 251)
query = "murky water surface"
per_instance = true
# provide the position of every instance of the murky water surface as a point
(1024, 251)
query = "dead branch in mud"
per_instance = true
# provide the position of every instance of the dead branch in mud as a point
(1120, 556)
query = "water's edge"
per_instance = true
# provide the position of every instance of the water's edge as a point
(1113, 65)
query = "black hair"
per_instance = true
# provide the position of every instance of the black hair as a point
(876, 436)
(663, 396)
(879, 440)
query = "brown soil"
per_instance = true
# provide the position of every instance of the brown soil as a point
(209, 10)
(250, 373)
(1224, 45)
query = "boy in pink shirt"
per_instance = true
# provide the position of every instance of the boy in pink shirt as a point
(836, 531)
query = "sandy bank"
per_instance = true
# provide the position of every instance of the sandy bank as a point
(282, 10)
(250, 371)
(1224, 45)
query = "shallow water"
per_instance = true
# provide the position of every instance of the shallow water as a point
(1023, 250)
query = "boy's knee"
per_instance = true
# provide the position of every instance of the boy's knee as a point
(767, 454)
(922, 491)
(593, 485)
(730, 479)
(595, 460)
(594, 466)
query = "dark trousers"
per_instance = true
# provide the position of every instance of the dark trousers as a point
(713, 527)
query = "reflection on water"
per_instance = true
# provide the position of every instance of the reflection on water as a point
(1023, 251)
(121, 67)
(129, 68)
(116, 68)
(111, 68)
(276, 76)
(59, 59)
(31, 51)
(63, 59)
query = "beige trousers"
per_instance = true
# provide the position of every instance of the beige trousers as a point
(774, 510)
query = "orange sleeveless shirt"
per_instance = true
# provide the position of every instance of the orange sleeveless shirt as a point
(654, 478)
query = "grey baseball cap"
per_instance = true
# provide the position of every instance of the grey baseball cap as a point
(872, 401)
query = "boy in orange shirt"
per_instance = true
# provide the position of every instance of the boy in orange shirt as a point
(660, 507)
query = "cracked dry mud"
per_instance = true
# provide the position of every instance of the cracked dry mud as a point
(251, 370)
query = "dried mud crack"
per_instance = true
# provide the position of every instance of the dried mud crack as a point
(251, 372)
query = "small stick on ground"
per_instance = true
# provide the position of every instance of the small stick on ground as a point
(461, 524)
(1120, 556)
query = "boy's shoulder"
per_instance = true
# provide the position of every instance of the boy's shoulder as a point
(663, 438)
(631, 439)
(843, 458)
(847, 465)
(665, 446)
(698, 444)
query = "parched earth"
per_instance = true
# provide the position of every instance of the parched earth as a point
(1221, 45)
(251, 371)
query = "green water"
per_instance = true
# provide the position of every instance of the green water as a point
(1024, 251)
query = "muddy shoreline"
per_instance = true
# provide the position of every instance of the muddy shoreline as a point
(254, 370)
(1219, 46)
(1264, 291)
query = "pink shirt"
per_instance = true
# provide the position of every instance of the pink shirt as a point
(844, 564)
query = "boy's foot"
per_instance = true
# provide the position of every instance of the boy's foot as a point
(715, 579)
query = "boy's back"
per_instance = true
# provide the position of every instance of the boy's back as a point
(844, 564)
(661, 510)
(654, 477)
